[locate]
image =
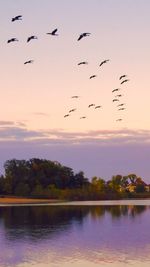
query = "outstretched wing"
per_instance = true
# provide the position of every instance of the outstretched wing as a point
(54, 31)
(80, 37)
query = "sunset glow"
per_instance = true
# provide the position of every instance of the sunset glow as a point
(35, 97)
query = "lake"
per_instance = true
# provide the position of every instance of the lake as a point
(77, 234)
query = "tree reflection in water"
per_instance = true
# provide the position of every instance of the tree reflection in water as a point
(36, 222)
(67, 235)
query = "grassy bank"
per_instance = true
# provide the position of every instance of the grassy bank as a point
(22, 200)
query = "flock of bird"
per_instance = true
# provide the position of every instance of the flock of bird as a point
(120, 107)
(123, 78)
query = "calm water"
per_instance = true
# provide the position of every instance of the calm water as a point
(75, 235)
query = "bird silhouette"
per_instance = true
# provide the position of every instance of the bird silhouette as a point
(103, 62)
(75, 96)
(67, 115)
(114, 100)
(85, 34)
(53, 32)
(121, 109)
(122, 76)
(119, 120)
(82, 117)
(118, 95)
(91, 105)
(72, 110)
(28, 62)
(124, 81)
(93, 76)
(98, 107)
(115, 90)
(120, 105)
(82, 63)
(19, 17)
(12, 40)
(32, 37)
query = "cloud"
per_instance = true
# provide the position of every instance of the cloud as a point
(17, 133)
(2, 123)
(12, 123)
(61, 137)
(102, 153)
(21, 123)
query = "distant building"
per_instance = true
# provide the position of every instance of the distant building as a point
(131, 188)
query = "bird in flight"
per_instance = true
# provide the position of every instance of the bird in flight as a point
(120, 105)
(19, 17)
(119, 120)
(124, 81)
(114, 100)
(32, 37)
(122, 76)
(98, 107)
(115, 90)
(83, 35)
(82, 117)
(82, 63)
(12, 40)
(118, 95)
(91, 105)
(75, 96)
(103, 62)
(72, 110)
(67, 115)
(93, 76)
(121, 109)
(53, 32)
(28, 62)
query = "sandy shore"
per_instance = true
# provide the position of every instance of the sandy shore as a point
(17, 200)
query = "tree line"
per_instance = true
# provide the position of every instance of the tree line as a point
(49, 179)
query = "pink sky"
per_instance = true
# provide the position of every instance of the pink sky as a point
(35, 98)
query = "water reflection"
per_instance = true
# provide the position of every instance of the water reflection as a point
(41, 221)
(59, 235)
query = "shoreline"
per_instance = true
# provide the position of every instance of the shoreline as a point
(23, 200)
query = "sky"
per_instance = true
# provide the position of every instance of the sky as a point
(35, 97)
